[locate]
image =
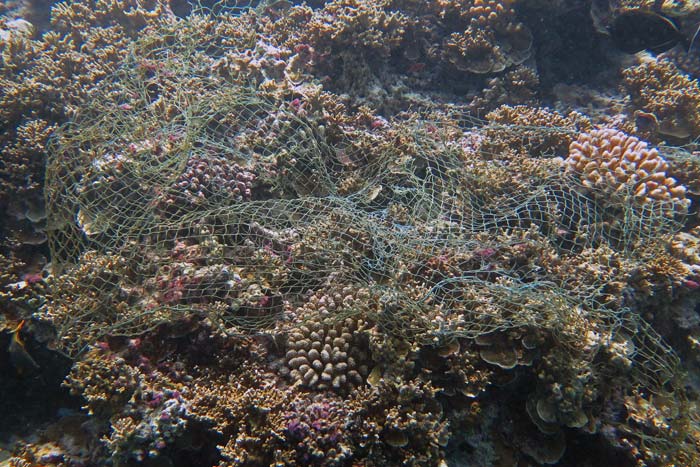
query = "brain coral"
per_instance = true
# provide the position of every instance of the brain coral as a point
(618, 165)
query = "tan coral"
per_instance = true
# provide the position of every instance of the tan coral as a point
(533, 131)
(660, 88)
(686, 247)
(616, 165)
(106, 382)
(517, 87)
(492, 38)
(400, 424)
(326, 351)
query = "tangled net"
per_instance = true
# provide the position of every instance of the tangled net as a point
(183, 191)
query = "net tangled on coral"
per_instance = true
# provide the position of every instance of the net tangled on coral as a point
(362, 282)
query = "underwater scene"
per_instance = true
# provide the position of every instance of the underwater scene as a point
(350, 233)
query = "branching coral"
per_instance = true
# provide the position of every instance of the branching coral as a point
(142, 407)
(269, 425)
(622, 167)
(660, 88)
(44, 80)
(94, 300)
(517, 87)
(400, 425)
(532, 131)
(487, 35)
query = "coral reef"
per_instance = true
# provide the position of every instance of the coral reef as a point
(346, 233)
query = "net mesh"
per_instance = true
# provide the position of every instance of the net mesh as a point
(181, 191)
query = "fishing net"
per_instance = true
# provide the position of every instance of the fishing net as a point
(182, 191)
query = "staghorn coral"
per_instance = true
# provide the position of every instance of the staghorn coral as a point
(620, 166)
(357, 25)
(263, 424)
(347, 40)
(658, 279)
(661, 89)
(79, 17)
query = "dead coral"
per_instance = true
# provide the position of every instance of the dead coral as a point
(659, 88)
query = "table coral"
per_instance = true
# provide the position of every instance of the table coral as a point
(622, 167)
